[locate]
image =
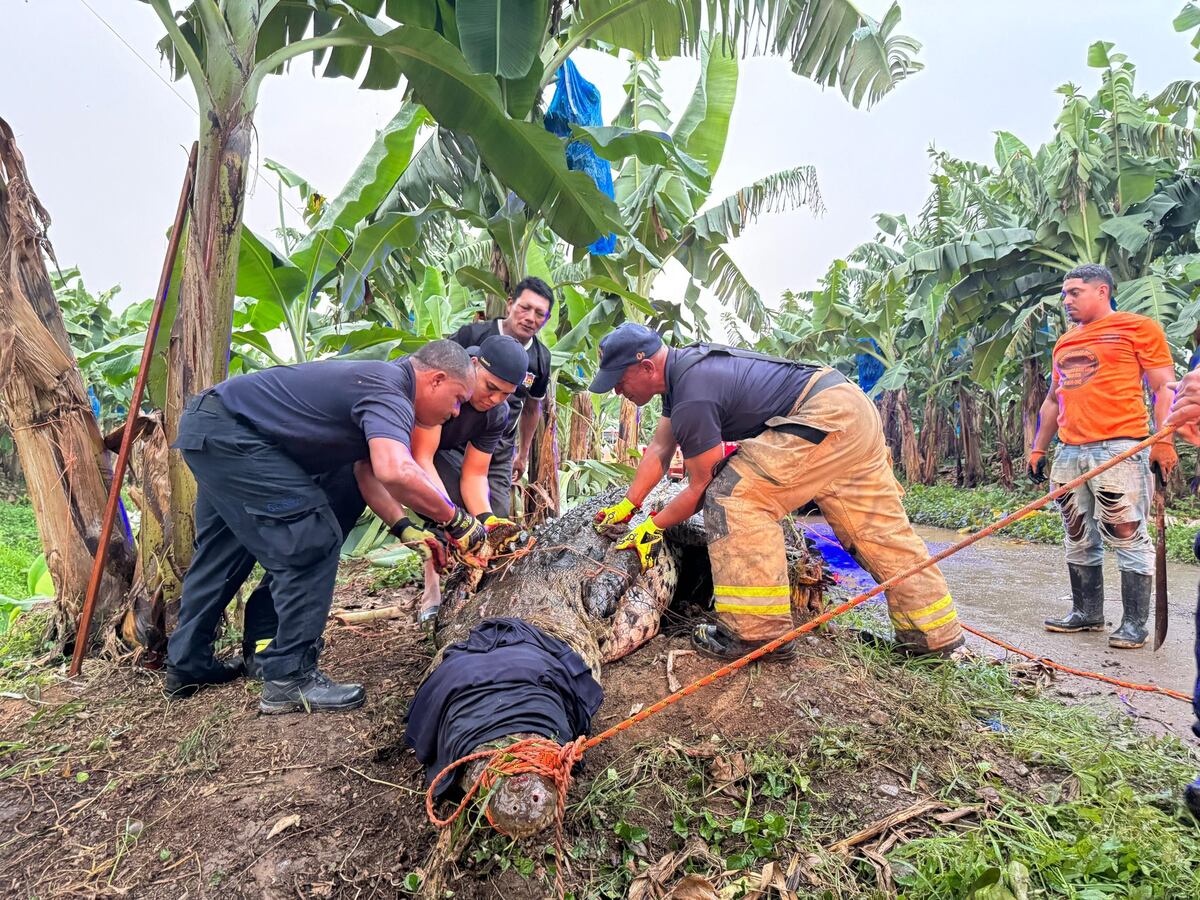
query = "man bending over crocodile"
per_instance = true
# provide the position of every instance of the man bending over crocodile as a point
(806, 434)
(457, 455)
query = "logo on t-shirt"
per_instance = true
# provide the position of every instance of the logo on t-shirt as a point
(528, 382)
(1076, 368)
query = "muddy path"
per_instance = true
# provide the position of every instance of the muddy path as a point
(1007, 588)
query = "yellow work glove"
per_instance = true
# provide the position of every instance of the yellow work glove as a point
(617, 514)
(645, 539)
(467, 535)
(421, 540)
(493, 523)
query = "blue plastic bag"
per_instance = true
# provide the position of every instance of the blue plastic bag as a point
(576, 101)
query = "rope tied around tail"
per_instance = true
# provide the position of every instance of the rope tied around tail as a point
(528, 756)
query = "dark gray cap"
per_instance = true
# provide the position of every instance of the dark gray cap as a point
(627, 344)
(504, 357)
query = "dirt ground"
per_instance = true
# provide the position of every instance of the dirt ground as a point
(107, 789)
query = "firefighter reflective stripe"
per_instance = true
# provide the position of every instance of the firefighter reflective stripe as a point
(779, 610)
(907, 620)
(746, 591)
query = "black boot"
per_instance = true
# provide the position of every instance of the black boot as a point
(718, 642)
(177, 686)
(254, 670)
(1087, 601)
(1135, 603)
(312, 691)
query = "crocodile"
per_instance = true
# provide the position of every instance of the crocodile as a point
(572, 583)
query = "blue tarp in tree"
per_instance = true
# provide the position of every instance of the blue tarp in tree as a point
(870, 369)
(576, 101)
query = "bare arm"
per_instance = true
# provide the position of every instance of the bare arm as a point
(1157, 379)
(654, 463)
(1047, 417)
(425, 443)
(473, 482)
(687, 502)
(406, 481)
(1185, 411)
(526, 426)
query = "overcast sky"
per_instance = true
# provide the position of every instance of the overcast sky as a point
(105, 139)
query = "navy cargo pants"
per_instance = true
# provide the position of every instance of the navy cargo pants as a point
(255, 503)
(449, 463)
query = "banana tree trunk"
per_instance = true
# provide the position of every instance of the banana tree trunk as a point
(1003, 456)
(900, 433)
(581, 441)
(541, 491)
(197, 358)
(1034, 391)
(628, 421)
(930, 439)
(47, 409)
(496, 307)
(970, 426)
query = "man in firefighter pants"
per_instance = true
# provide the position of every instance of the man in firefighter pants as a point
(806, 434)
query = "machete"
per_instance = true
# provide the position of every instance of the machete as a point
(1160, 560)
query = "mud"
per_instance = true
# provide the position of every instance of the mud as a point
(1007, 588)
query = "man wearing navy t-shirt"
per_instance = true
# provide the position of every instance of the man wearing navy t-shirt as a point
(279, 458)
(805, 433)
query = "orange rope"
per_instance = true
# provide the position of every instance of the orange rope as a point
(528, 756)
(1082, 673)
(547, 758)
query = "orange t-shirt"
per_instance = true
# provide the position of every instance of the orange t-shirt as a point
(1100, 367)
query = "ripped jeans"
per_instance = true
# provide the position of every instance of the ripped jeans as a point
(1094, 512)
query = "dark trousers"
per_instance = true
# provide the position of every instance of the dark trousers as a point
(255, 503)
(449, 465)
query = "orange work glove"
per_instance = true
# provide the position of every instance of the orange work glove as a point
(1037, 466)
(1163, 459)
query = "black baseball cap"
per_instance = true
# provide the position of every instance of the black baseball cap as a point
(626, 345)
(504, 357)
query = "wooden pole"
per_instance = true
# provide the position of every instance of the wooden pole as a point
(135, 404)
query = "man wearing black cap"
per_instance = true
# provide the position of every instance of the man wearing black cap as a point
(528, 311)
(805, 433)
(271, 452)
(456, 455)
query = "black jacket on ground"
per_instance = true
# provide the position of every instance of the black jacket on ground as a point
(507, 677)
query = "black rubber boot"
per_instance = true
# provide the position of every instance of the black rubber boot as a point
(311, 692)
(1135, 603)
(1087, 601)
(718, 642)
(177, 686)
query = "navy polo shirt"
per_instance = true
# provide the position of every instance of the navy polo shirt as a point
(726, 398)
(323, 413)
(482, 430)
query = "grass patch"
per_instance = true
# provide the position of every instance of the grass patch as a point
(19, 547)
(1069, 803)
(970, 509)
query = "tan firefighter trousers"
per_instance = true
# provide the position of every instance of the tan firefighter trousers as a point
(849, 475)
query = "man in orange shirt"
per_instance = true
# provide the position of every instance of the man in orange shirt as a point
(1097, 408)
